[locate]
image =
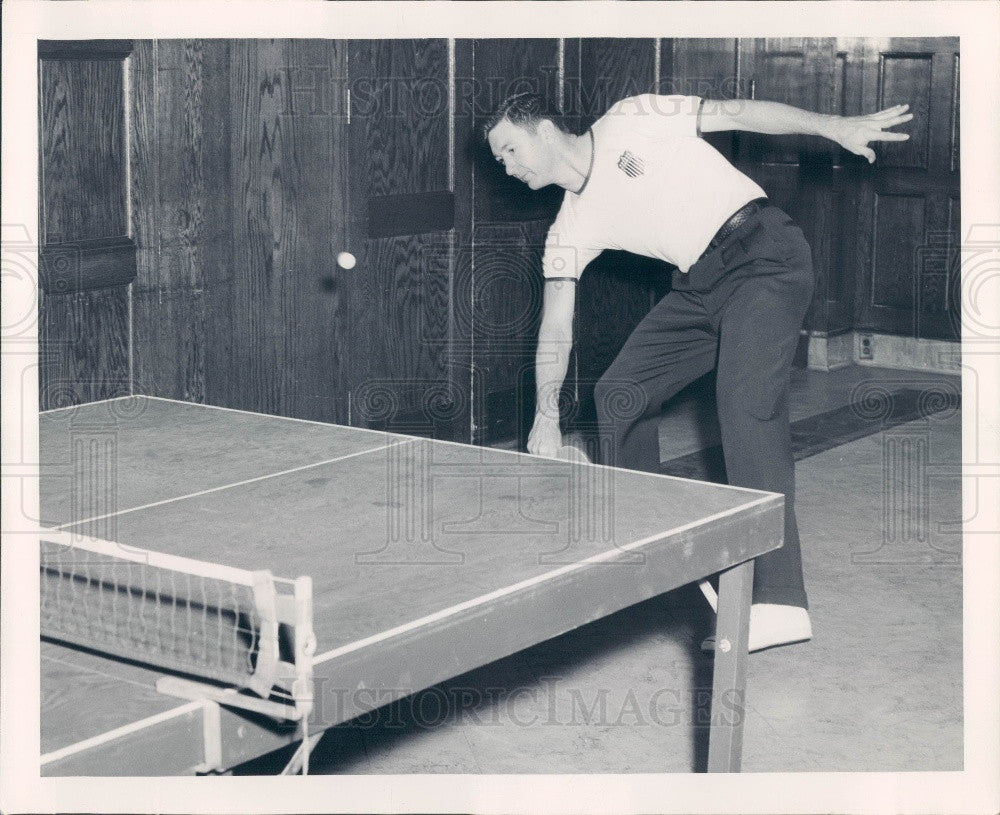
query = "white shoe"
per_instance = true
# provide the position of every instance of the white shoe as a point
(772, 624)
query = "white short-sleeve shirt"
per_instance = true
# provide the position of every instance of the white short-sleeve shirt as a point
(655, 189)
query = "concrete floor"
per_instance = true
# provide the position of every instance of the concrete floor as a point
(879, 688)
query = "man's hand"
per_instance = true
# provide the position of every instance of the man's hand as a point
(855, 132)
(545, 438)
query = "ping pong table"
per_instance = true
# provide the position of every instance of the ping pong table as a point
(428, 559)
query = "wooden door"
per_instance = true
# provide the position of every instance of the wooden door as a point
(406, 368)
(909, 219)
(87, 255)
(288, 333)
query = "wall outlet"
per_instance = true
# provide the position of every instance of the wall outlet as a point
(866, 349)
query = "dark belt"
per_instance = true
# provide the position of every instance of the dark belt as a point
(735, 221)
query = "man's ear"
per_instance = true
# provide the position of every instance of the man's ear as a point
(547, 130)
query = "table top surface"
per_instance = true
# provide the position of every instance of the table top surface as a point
(404, 537)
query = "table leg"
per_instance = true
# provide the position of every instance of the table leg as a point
(725, 741)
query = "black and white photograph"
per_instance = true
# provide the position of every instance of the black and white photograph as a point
(550, 407)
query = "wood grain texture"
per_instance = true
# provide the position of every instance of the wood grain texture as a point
(937, 269)
(507, 298)
(904, 217)
(286, 354)
(83, 339)
(262, 225)
(947, 323)
(191, 158)
(84, 49)
(401, 316)
(900, 222)
(144, 188)
(906, 77)
(404, 370)
(169, 340)
(955, 136)
(400, 90)
(612, 69)
(180, 206)
(83, 175)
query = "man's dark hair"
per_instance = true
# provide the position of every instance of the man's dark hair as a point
(525, 110)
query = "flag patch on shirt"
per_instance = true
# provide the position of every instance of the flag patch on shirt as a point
(631, 165)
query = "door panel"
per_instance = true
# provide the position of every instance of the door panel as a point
(401, 374)
(282, 301)
(908, 221)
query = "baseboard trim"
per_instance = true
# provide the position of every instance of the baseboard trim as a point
(830, 352)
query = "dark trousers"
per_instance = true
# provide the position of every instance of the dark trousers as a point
(738, 310)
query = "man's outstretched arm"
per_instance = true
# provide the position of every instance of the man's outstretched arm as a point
(555, 341)
(853, 133)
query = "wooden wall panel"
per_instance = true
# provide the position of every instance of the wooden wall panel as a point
(170, 343)
(612, 69)
(907, 226)
(400, 320)
(407, 116)
(906, 77)
(144, 160)
(82, 150)
(832, 310)
(84, 341)
(955, 131)
(264, 208)
(192, 158)
(900, 221)
(180, 207)
(507, 304)
(466, 150)
(87, 258)
(281, 303)
(403, 375)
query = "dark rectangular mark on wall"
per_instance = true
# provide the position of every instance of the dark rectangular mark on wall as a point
(87, 265)
(410, 214)
(84, 49)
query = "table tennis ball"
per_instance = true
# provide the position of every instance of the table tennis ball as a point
(345, 260)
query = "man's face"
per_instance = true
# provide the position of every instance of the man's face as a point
(525, 154)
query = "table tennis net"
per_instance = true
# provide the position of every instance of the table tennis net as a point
(189, 616)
